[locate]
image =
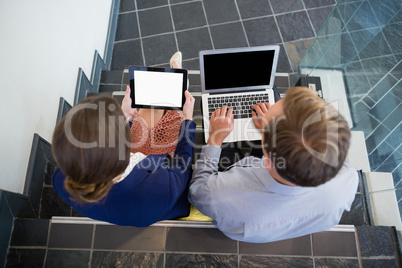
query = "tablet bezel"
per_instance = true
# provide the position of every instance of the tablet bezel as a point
(131, 70)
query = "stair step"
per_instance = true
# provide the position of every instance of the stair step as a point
(112, 77)
(357, 154)
(358, 214)
(383, 202)
(61, 236)
(90, 94)
(198, 143)
(109, 88)
(121, 77)
(30, 232)
(361, 244)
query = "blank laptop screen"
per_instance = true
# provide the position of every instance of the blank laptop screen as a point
(237, 70)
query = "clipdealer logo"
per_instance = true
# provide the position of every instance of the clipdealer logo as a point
(103, 132)
(332, 134)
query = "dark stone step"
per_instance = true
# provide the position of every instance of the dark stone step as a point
(111, 77)
(30, 232)
(109, 88)
(358, 214)
(109, 94)
(373, 246)
(379, 246)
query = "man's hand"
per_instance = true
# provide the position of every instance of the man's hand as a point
(188, 107)
(126, 105)
(259, 115)
(221, 124)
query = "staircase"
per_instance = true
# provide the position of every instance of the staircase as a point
(57, 236)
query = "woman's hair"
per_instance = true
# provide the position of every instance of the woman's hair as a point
(308, 145)
(91, 145)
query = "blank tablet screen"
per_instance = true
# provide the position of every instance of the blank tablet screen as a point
(164, 88)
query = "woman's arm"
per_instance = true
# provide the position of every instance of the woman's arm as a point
(180, 168)
(184, 149)
(126, 105)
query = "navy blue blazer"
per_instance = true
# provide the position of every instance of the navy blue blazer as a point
(155, 190)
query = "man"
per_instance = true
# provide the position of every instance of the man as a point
(301, 185)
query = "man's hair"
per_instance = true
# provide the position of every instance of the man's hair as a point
(311, 139)
(91, 146)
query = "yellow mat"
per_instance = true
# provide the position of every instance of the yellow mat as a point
(195, 215)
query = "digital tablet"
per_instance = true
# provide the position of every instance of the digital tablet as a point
(158, 88)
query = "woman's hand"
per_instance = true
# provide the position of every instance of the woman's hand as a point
(188, 107)
(126, 105)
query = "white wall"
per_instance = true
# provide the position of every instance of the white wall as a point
(42, 45)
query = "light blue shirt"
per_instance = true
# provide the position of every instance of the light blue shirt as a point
(247, 204)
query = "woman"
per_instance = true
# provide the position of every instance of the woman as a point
(155, 131)
(101, 179)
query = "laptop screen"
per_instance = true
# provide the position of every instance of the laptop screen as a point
(242, 69)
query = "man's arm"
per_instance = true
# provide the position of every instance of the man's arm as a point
(206, 167)
(221, 124)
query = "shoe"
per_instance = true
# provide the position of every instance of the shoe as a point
(176, 57)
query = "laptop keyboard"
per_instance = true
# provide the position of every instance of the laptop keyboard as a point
(241, 104)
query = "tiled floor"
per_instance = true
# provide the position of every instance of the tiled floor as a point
(369, 52)
(149, 32)
(194, 25)
(42, 243)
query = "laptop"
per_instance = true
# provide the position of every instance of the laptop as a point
(239, 78)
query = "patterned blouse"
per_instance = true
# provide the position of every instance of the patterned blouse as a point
(160, 139)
